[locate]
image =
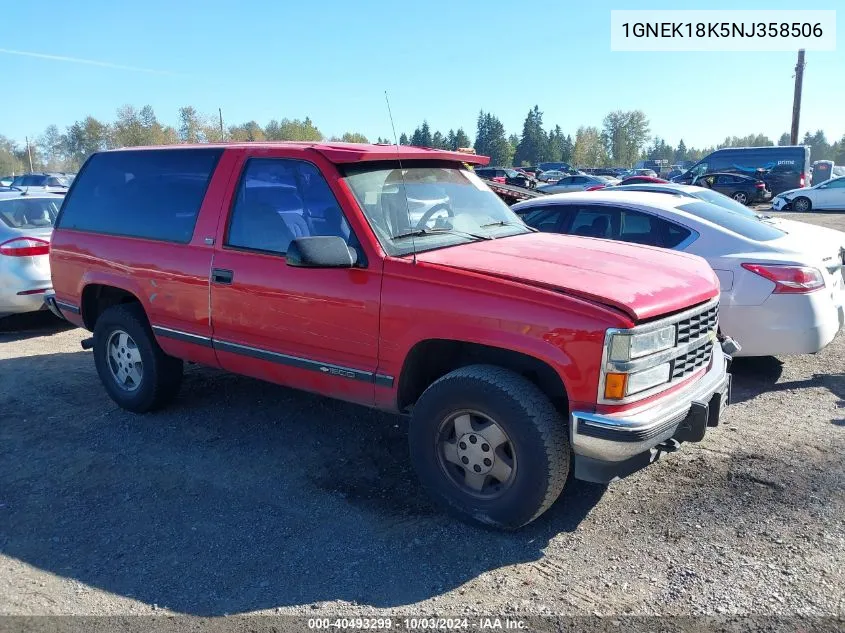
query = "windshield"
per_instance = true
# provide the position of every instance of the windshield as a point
(29, 213)
(723, 201)
(444, 206)
(748, 227)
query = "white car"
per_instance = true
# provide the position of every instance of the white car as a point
(782, 283)
(26, 224)
(829, 194)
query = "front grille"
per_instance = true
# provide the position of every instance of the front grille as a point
(686, 364)
(696, 326)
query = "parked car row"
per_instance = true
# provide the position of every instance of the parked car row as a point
(578, 331)
(508, 176)
(54, 182)
(781, 168)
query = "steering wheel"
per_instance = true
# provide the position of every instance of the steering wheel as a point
(437, 208)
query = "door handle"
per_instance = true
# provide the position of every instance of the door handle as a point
(222, 276)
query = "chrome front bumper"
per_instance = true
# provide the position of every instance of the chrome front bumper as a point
(604, 440)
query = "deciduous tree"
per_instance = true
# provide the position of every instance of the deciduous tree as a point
(590, 149)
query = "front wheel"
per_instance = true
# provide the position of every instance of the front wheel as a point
(134, 370)
(801, 205)
(490, 446)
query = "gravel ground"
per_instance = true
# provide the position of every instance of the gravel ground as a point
(249, 498)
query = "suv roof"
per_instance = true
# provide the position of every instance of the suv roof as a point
(337, 152)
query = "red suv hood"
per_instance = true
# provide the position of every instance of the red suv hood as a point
(642, 281)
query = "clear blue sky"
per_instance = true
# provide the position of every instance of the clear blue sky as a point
(440, 60)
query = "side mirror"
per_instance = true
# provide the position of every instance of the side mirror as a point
(320, 252)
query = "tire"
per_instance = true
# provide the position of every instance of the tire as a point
(741, 197)
(537, 451)
(802, 204)
(160, 375)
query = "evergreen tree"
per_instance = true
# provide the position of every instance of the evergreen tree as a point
(567, 149)
(490, 140)
(422, 136)
(533, 147)
(681, 152)
(461, 139)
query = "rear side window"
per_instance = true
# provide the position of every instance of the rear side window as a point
(750, 228)
(627, 225)
(152, 194)
(29, 213)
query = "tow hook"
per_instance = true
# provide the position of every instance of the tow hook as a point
(87, 343)
(729, 347)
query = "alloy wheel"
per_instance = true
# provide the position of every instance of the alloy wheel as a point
(476, 453)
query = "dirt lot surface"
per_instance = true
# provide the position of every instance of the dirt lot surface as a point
(245, 497)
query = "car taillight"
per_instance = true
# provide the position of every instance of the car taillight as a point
(760, 185)
(789, 279)
(801, 180)
(24, 247)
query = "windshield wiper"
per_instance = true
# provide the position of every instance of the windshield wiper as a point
(440, 231)
(505, 223)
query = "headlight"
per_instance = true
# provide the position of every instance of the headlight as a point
(625, 347)
(648, 378)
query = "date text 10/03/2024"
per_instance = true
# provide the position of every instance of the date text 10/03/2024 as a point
(417, 624)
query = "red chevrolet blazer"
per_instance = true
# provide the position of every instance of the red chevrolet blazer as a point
(392, 277)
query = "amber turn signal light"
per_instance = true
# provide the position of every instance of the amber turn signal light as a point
(614, 386)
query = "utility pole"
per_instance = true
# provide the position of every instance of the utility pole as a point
(220, 112)
(796, 100)
(29, 153)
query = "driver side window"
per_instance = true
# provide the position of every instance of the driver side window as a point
(279, 200)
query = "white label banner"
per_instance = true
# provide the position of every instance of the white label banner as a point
(710, 30)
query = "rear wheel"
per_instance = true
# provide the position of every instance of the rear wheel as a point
(741, 197)
(490, 446)
(134, 370)
(802, 204)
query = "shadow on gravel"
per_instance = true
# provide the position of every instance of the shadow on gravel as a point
(753, 375)
(241, 496)
(19, 327)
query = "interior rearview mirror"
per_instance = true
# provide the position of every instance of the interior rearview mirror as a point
(320, 252)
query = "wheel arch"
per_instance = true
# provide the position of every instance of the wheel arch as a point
(430, 359)
(96, 298)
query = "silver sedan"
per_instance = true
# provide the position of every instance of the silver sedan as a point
(574, 183)
(26, 224)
